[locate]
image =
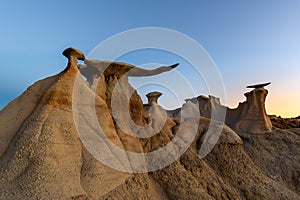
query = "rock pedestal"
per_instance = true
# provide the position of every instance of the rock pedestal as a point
(253, 116)
(160, 125)
(153, 97)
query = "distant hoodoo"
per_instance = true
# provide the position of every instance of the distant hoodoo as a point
(251, 115)
(153, 97)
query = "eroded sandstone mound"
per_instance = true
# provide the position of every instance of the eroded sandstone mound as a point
(43, 156)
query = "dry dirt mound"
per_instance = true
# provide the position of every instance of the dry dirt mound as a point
(43, 157)
(277, 155)
(285, 123)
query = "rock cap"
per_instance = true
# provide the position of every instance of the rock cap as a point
(153, 97)
(256, 86)
(73, 53)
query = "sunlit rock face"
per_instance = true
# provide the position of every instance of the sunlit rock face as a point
(51, 148)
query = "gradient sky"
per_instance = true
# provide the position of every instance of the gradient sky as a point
(250, 41)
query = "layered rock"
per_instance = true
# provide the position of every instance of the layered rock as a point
(250, 116)
(208, 107)
(43, 155)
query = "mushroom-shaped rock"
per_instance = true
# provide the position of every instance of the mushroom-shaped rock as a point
(250, 116)
(153, 97)
(73, 53)
(73, 56)
(259, 85)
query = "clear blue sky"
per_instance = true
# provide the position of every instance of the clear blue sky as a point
(250, 41)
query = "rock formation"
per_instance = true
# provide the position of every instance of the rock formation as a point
(211, 106)
(110, 81)
(208, 107)
(161, 125)
(43, 156)
(256, 86)
(250, 116)
(110, 74)
(94, 68)
(153, 97)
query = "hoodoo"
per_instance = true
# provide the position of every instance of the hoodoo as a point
(153, 97)
(51, 146)
(251, 115)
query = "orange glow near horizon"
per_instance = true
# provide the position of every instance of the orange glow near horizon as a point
(286, 106)
(281, 101)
